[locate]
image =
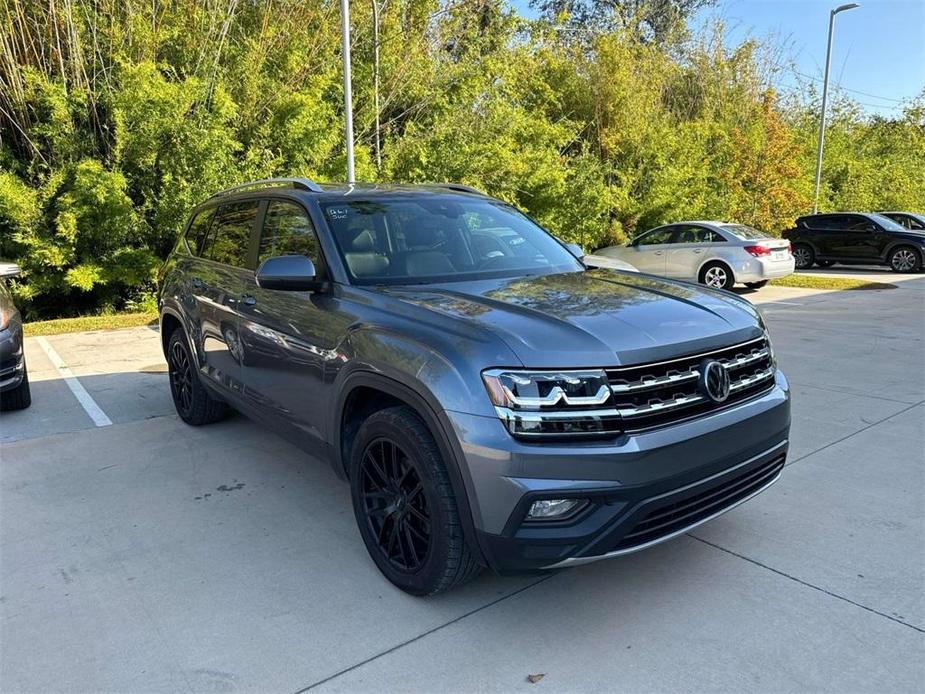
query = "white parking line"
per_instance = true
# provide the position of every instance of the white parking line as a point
(83, 397)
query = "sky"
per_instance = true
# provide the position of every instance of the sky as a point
(878, 53)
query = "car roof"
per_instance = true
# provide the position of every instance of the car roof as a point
(304, 186)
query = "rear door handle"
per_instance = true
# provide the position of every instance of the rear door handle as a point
(657, 252)
(248, 300)
(698, 250)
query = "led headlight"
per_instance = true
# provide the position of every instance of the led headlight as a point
(552, 403)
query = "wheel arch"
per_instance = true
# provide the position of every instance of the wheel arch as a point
(903, 243)
(387, 391)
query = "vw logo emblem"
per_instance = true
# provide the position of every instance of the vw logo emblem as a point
(714, 380)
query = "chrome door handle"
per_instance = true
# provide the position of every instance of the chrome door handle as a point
(657, 252)
(248, 300)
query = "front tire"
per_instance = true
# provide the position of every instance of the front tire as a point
(193, 402)
(405, 507)
(905, 259)
(20, 397)
(717, 275)
(803, 256)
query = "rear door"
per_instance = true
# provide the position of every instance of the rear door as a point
(217, 282)
(689, 248)
(289, 336)
(650, 251)
(824, 231)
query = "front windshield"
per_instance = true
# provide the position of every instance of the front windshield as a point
(745, 233)
(404, 239)
(887, 223)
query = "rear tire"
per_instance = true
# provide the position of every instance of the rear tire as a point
(803, 256)
(405, 507)
(717, 275)
(20, 397)
(756, 285)
(193, 402)
(905, 259)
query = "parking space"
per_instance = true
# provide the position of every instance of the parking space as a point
(149, 555)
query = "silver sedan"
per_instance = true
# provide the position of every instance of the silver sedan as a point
(717, 254)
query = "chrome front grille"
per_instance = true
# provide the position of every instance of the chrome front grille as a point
(653, 395)
(641, 397)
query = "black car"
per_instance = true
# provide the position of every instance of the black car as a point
(859, 238)
(910, 220)
(14, 381)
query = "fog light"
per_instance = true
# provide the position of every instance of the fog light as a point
(551, 509)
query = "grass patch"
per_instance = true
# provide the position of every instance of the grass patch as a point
(825, 282)
(85, 323)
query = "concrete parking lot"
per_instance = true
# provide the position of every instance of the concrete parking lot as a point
(140, 554)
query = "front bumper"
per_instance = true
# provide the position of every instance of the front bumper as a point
(12, 364)
(642, 489)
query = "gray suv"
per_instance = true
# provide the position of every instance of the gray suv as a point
(491, 400)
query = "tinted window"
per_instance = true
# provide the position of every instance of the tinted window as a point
(288, 230)
(887, 223)
(695, 234)
(823, 221)
(198, 229)
(396, 239)
(230, 234)
(858, 223)
(656, 236)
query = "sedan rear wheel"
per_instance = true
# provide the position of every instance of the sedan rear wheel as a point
(717, 275)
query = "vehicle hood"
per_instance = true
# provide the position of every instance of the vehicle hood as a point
(594, 318)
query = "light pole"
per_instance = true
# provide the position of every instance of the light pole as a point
(348, 95)
(825, 94)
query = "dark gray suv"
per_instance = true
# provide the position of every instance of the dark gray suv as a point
(491, 401)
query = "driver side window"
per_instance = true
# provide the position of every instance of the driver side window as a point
(655, 237)
(288, 230)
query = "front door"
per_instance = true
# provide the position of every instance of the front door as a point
(649, 251)
(289, 336)
(857, 240)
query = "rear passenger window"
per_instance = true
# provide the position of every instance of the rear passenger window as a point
(198, 229)
(230, 234)
(692, 234)
(288, 230)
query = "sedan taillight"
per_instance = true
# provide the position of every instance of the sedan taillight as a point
(758, 251)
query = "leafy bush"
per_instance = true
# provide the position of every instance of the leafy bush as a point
(600, 121)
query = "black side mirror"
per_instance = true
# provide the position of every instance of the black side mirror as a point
(294, 273)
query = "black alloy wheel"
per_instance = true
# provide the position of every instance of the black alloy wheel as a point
(395, 505)
(193, 402)
(405, 506)
(181, 378)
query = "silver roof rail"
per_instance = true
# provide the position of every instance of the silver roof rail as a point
(302, 183)
(459, 187)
